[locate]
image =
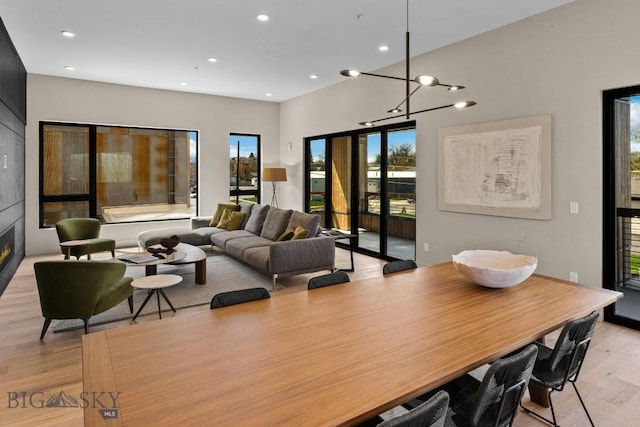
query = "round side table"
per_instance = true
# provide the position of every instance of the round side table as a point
(155, 284)
(75, 243)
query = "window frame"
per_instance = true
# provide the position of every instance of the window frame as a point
(91, 196)
(236, 193)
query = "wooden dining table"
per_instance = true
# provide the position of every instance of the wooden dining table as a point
(331, 356)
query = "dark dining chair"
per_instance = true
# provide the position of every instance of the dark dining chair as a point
(492, 401)
(330, 279)
(240, 296)
(396, 266)
(555, 367)
(432, 413)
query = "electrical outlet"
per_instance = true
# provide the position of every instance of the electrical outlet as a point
(573, 208)
(573, 276)
(426, 247)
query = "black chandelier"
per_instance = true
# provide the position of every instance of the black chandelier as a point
(421, 81)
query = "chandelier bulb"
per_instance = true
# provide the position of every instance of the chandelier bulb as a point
(350, 73)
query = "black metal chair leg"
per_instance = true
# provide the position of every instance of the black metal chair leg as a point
(540, 417)
(130, 300)
(47, 322)
(86, 325)
(582, 403)
(553, 412)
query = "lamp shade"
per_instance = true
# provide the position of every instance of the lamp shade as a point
(274, 174)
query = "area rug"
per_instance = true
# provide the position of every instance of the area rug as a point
(223, 274)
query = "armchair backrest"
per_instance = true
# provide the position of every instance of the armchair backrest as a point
(71, 289)
(78, 229)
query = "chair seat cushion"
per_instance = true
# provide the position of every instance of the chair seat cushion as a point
(95, 245)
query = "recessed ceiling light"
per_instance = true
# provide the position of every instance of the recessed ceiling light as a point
(183, 83)
(313, 76)
(383, 48)
(263, 17)
(212, 59)
(269, 94)
(69, 68)
(67, 33)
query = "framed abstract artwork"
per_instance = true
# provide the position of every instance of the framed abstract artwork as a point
(498, 168)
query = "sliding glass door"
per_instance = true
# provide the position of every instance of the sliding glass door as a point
(363, 183)
(370, 212)
(401, 193)
(621, 189)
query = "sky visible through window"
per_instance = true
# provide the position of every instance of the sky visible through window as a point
(394, 139)
(248, 145)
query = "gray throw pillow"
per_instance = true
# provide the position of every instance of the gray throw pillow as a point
(276, 222)
(308, 221)
(245, 208)
(256, 219)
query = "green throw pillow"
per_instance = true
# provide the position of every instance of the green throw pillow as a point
(231, 220)
(286, 235)
(221, 207)
(300, 233)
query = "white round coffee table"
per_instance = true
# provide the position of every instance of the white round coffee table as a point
(155, 284)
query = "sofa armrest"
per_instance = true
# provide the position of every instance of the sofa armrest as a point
(200, 221)
(295, 255)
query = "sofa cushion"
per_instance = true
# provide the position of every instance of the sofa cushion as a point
(221, 207)
(236, 247)
(153, 237)
(256, 219)
(276, 222)
(221, 239)
(311, 222)
(246, 208)
(257, 257)
(206, 232)
(231, 220)
(300, 233)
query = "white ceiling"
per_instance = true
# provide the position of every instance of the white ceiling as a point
(163, 43)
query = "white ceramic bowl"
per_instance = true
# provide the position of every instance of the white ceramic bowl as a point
(494, 269)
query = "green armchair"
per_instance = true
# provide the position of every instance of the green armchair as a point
(83, 229)
(80, 289)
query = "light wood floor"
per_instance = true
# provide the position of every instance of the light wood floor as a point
(610, 381)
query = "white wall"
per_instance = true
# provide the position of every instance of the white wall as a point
(59, 99)
(558, 62)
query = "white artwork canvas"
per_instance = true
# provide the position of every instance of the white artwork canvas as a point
(497, 168)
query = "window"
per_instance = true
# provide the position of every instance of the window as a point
(244, 168)
(116, 174)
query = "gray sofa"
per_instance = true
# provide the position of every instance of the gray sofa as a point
(256, 242)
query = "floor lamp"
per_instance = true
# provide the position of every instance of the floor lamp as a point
(274, 175)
